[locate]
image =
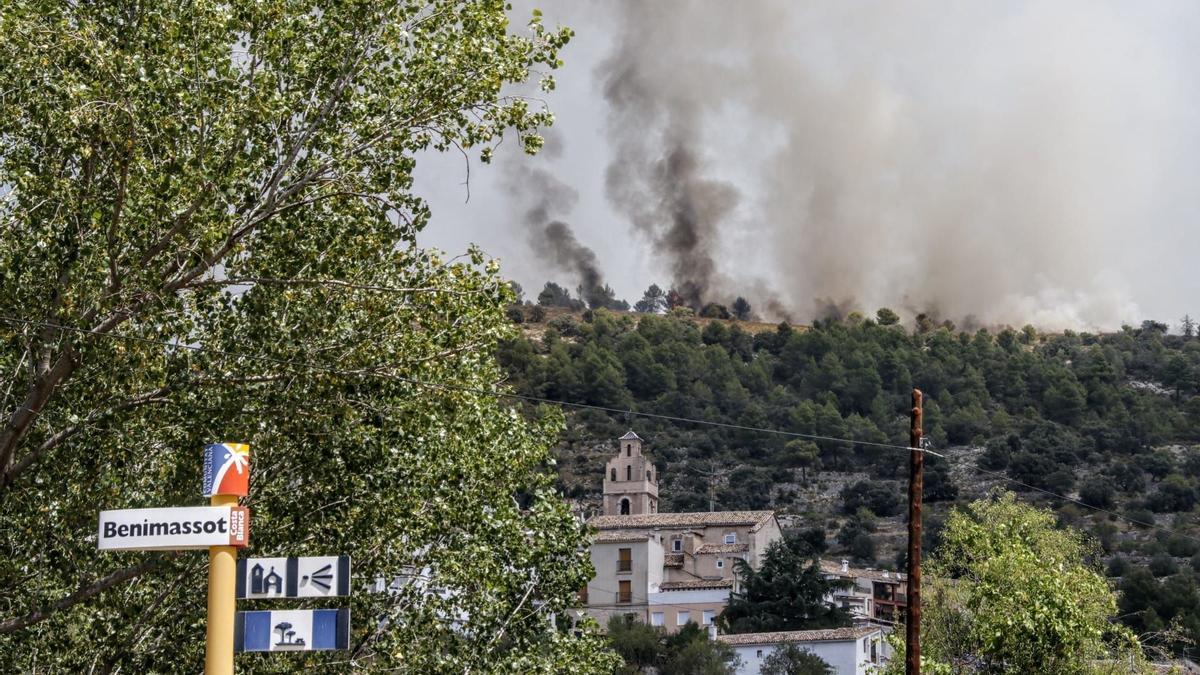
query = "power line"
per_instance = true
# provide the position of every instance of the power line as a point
(1115, 514)
(538, 399)
(436, 385)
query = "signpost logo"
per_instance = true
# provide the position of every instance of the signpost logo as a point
(227, 469)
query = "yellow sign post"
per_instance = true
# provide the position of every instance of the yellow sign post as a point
(226, 477)
(222, 605)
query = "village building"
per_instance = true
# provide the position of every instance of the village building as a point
(875, 596)
(665, 569)
(849, 651)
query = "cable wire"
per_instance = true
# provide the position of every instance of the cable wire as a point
(459, 388)
(538, 399)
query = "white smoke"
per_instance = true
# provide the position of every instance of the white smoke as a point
(998, 160)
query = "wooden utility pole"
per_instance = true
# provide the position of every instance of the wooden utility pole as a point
(712, 476)
(916, 488)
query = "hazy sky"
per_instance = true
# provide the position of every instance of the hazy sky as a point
(1014, 162)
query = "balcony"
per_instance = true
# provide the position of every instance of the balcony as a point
(624, 565)
(624, 597)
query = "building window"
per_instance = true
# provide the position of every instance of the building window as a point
(647, 476)
(758, 654)
(874, 651)
(625, 591)
(720, 563)
(708, 616)
(614, 475)
(683, 617)
(629, 472)
(730, 537)
(629, 449)
(656, 618)
(625, 560)
(624, 506)
(677, 544)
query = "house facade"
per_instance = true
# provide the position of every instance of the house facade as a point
(877, 596)
(665, 569)
(849, 651)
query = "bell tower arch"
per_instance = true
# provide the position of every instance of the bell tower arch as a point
(630, 480)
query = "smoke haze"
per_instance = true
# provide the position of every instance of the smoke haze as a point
(544, 199)
(1025, 162)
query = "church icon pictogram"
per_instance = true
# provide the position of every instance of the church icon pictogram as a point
(271, 583)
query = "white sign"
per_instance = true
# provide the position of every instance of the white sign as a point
(312, 577)
(295, 630)
(173, 529)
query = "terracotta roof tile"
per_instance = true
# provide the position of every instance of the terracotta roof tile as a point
(756, 519)
(699, 584)
(832, 567)
(723, 548)
(826, 635)
(673, 560)
(620, 537)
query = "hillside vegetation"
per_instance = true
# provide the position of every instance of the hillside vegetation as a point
(1108, 419)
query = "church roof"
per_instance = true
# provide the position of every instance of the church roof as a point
(620, 537)
(755, 519)
(630, 436)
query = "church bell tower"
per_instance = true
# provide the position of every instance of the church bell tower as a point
(630, 480)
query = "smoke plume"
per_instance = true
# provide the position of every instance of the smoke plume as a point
(970, 160)
(656, 182)
(546, 199)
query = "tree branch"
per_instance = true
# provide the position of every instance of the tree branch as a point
(84, 593)
(247, 281)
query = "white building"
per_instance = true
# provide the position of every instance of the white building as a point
(850, 651)
(665, 569)
(876, 596)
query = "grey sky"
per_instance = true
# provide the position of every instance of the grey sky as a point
(1018, 162)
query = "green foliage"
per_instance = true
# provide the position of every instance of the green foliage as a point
(886, 317)
(1010, 592)
(1043, 409)
(653, 301)
(803, 454)
(637, 643)
(881, 499)
(787, 592)
(553, 295)
(1098, 492)
(1164, 612)
(215, 199)
(686, 652)
(741, 309)
(790, 659)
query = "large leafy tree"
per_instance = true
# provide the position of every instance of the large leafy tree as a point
(1009, 592)
(207, 232)
(791, 659)
(787, 592)
(689, 651)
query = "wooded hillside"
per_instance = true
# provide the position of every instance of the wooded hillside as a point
(1109, 419)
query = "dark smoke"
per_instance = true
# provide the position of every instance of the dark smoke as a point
(973, 158)
(558, 243)
(546, 198)
(655, 178)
